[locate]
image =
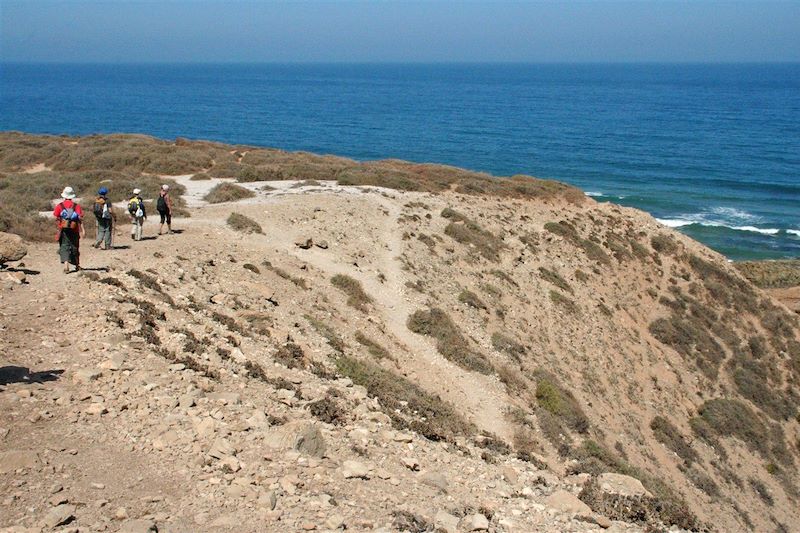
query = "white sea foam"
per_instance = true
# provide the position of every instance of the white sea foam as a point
(675, 222)
(795, 232)
(593, 193)
(680, 222)
(763, 231)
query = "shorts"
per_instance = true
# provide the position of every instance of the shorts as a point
(166, 216)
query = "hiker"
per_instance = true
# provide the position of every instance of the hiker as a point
(106, 219)
(138, 214)
(69, 216)
(164, 208)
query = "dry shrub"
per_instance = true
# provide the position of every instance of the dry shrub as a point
(471, 299)
(375, 350)
(553, 277)
(762, 491)
(407, 404)
(300, 282)
(569, 305)
(333, 338)
(227, 192)
(291, 355)
(356, 297)
(653, 512)
(670, 436)
(592, 250)
(732, 418)
(778, 274)
(329, 411)
(509, 346)
(689, 338)
(471, 234)
(664, 244)
(449, 340)
(555, 399)
(244, 224)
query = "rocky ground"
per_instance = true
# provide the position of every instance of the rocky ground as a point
(200, 428)
(193, 382)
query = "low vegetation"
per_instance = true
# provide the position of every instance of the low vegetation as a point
(356, 297)
(569, 305)
(592, 250)
(471, 299)
(244, 224)
(227, 192)
(406, 404)
(552, 397)
(509, 346)
(375, 350)
(670, 436)
(449, 340)
(465, 231)
(771, 274)
(555, 278)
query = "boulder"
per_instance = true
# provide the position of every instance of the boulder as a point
(444, 521)
(475, 522)
(11, 248)
(304, 243)
(354, 469)
(566, 502)
(621, 485)
(59, 515)
(302, 436)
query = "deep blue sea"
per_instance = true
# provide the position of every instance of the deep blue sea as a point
(713, 150)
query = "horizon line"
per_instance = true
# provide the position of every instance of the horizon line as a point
(397, 63)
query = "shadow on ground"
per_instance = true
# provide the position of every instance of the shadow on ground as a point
(20, 374)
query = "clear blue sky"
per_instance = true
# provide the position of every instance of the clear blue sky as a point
(392, 31)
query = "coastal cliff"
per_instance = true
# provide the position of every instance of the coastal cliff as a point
(332, 343)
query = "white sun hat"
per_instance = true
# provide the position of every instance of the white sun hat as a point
(165, 187)
(68, 193)
(137, 191)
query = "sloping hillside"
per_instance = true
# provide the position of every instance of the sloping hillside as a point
(510, 340)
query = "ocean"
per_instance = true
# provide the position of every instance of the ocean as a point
(711, 150)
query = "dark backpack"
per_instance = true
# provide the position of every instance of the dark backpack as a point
(161, 204)
(99, 204)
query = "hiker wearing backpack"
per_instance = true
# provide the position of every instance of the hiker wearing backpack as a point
(138, 214)
(106, 219)
(69, 216)
(164, 208)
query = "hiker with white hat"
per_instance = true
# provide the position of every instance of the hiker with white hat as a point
(138, 214)
(70, 229)
(164, 208)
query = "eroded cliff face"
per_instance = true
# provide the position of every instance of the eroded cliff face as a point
(412, 354)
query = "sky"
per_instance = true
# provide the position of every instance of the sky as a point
(288, 31)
